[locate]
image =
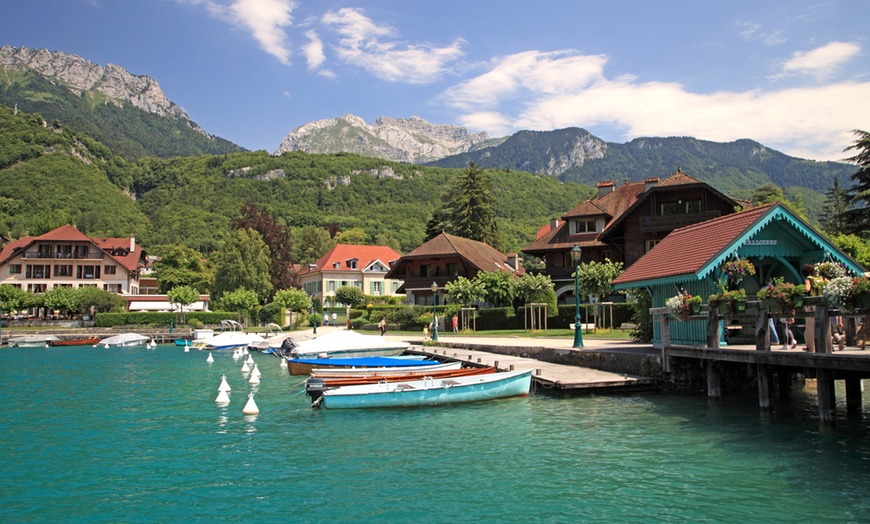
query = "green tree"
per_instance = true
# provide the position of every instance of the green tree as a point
(311, 243)
(536, 288)
(183, 296)
(355, 236)
(770, 193)
(471, 207)
(240, 300)
(62, 299)
(181, 266)
(243, 262)
(96, 300)
(595, 277)
(498, 287)
(11, 298)
(279, 238)
(350, 295)
(464, 291)
(855, 247)
(834, 209)
(857, 219)
(293, 299)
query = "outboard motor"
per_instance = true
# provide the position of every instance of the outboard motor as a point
(288, 346)
(315, 387)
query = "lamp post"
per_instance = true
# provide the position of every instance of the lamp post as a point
(314, 318)
(578, 326)
(435, 311)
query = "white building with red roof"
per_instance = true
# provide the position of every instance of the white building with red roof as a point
(67, 257)
(363, 267)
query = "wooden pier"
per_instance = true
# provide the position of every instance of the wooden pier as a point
(545, 375)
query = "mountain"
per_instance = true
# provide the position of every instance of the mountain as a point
(574, 154)
(128, 113)
(411, 140)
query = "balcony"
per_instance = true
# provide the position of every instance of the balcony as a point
(659, 223)
(63, 256)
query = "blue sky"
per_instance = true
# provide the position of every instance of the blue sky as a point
(792, 74)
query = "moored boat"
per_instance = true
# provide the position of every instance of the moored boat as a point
(316, 385)
(375, 372)
(124, 340)
(348, 344)
(86, 341)
(428, 392)
(304, 366)
(32, 341)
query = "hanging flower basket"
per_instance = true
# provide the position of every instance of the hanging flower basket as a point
(729, 303)
(737, 269)
(783, 295)
(861, 292)
(682, 306)
(771, 305)
(838, 293)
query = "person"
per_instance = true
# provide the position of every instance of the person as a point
(863, 334)
(790, 341)
(334, 319)
(812, 287)
(326, 319)
(382, 325)
(455, 323)
(771, 322)
(837, 335)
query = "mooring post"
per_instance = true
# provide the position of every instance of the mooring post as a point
(713, 323)
(714, 381)
(666, 341)
(823, 329)
(762, 329)
(854, 389)
(765, 399)
(827, 398)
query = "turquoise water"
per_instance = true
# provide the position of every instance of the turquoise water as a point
(134, 435)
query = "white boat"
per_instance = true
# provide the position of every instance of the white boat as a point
(273, 340)
(428, 391)
(124, 340)
(348, 344)
(231, 336)
(32, 341)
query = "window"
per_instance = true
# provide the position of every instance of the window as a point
(81, 251)
(584, 226)
(668, 208)
(330, 285)
(606, 254)
(64, 251)
(650, 244)
(37, 288)
(87, 285)
(394, 286)
(37, 271)
(693, 206)
(112, 288)
(425, 270)
(63, 270)
(14, 269)
(377, 288)
(351, 263)
(453, 269)
(109, 270)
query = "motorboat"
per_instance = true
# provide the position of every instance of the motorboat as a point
(348, 344)
(231, 336)
(86, 341)
(428, 391)
(298, 366)
(32, 341)
(273, 340)
(124, 340)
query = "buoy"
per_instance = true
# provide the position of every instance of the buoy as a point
(186, 349)
(222, 398)
(245, 351)
(256, 371)
(210, 359)
(245, 367)
(237, 354)
(152, 344)
(250, 360)
(283, 363)
(255, 379)
(224, 386)
(251, 407)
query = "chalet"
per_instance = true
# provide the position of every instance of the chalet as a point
(67, 257)
(772, 238)
(364, 267)
(623, 222)
(443, 259)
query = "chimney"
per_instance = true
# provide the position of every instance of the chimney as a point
(650, 182)
(605, 188)
(132, 243)
(514, 261)
(554, 223)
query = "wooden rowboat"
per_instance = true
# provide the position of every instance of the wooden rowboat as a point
(297, 366)
(89, 341)
(315, 386)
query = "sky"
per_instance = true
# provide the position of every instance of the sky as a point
(793, 75)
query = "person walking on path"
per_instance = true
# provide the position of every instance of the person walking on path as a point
(455, 323)
(334, 319)
(813, 287)
(326, 319)
(790, 341)
(382, 325)
(771, 322)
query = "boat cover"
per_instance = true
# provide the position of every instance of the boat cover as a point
(363, 362)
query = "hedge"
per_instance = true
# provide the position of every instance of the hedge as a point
(160, 318)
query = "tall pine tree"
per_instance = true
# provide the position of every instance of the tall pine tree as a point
(469, 208)
(857, 219)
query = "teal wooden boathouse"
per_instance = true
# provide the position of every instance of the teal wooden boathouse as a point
(774, 239)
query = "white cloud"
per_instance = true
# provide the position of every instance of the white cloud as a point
(752, 31)
(543, 91)
(313, 50)
(365, 44)
(266, 20)
(821, 62)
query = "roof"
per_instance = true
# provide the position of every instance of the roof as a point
(115, 248)
(479, 254)
(693, 252)
(338, 258)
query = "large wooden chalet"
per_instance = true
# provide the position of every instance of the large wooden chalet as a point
(623, 222)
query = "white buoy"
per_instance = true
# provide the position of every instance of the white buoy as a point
(251, 407)
(152, 344)
(210, 359)
(237, 354)
(283, 363)
(255, 379)
(250, 360)
(245, 351)
(256, 371)
(245, 367)
(186, 349)
(224, 386)
(222, 398)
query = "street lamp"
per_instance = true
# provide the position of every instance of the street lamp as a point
(435, 311)
(578, 326)
(314, 318)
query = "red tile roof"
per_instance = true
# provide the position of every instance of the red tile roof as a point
(341, 254)
(686, 251)
(483, 256)
(116, 248)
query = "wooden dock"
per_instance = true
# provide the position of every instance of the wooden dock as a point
(545, 375)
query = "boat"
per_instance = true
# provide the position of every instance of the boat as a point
(297, 366)
(272, 342)
(124, 340)
(348, 344)
(231, 336)
(428, 391)
(373, 372)
(315, 386)
(32, 341)
(87, 341)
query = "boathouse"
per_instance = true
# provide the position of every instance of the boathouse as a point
(775, 240)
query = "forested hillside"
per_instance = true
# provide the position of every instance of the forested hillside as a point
(50, 176)
(127, 130)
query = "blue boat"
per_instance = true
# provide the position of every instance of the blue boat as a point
(303, 366)
(428, 392)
